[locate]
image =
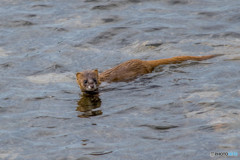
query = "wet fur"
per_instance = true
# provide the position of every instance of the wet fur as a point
(131, 69)
(92, 79)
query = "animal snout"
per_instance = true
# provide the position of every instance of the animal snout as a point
(91, 85)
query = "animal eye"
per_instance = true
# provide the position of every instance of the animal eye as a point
(85, 81)
(94, 80)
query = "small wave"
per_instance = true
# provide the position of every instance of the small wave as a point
(19, 23)
(167, 127)
(51, 78)
(3, 53)
(100, 153)
(42, 6)
(105, 7)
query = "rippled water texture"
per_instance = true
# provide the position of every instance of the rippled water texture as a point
(181, 111)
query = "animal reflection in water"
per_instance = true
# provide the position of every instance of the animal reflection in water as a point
(88, 104)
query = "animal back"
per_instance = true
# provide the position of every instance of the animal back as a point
(126, 71)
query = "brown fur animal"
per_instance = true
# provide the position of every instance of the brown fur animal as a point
(90, 80)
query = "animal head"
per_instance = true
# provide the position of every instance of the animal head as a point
(88, 81)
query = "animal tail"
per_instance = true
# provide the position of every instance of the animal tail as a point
(178, 59)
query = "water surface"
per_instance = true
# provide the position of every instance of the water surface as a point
(181, 111)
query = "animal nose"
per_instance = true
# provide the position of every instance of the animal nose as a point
(91, 85)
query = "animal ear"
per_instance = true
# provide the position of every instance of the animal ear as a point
(96, 71)
(79, 75)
